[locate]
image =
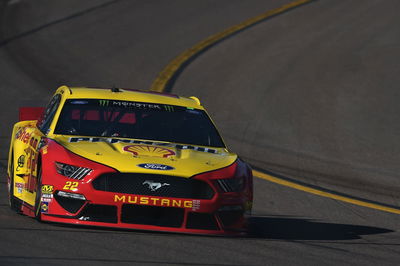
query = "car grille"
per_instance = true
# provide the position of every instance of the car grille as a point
(99, 213)
(153, 185)
(205, 221)
(152, 215)
(229, 218)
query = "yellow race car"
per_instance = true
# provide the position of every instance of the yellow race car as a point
(129, 159)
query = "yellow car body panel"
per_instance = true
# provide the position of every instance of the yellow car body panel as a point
(186, 162)
(24, 155)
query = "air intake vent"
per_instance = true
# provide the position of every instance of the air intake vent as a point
(204, 221)
(152, 215)
(229, 218)
(99, 213)
(71, 205)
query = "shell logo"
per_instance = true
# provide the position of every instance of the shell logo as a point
(147, 150)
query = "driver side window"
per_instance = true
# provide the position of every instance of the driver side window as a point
(49, 113)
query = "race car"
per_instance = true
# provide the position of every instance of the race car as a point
(127, 159)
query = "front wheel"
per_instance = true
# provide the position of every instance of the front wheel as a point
(38, 202)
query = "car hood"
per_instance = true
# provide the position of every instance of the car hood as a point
(131, 155)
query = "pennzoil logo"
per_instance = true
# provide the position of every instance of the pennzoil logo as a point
(47, 189)
(44, 207)
(153, 201)
(148, 150)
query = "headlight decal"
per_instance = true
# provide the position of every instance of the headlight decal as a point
(71, 171)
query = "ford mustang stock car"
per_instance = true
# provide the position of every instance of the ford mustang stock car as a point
(127, 159)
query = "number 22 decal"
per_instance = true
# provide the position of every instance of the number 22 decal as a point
(71, 186)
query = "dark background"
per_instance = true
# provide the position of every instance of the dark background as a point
(311, 94)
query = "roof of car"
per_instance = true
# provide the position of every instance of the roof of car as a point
(128, 95)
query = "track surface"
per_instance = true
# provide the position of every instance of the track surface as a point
(311, 94)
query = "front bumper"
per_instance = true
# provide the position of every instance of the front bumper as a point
(218, 216)
(108, 198)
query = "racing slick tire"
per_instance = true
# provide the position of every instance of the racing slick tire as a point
(14, 204)
(37, 209)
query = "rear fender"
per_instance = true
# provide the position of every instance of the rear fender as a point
(16, 147)
(24, 143)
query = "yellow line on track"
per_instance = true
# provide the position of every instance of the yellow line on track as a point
(169, 71)
(174, 66)
(323, 193)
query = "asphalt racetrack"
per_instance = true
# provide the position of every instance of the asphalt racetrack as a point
(311, 95)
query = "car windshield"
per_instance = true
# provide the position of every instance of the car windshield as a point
(137, 120)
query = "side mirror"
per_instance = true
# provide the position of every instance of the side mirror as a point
(30, 113)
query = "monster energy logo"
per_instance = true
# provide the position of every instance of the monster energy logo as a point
(104, 102)
(169, 108)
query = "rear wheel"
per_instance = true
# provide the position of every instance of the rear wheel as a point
(14, 204)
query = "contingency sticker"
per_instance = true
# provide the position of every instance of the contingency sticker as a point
(20, 187)
(47, 197)
(44, 207)
(196, 205)
(47, 189)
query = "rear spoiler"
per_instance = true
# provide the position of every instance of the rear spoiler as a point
(30, 113)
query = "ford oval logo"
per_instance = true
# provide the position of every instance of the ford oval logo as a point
(154, 166)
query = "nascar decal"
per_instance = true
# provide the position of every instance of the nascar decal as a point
(154, 201)
(163, 144)
(148, 150)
